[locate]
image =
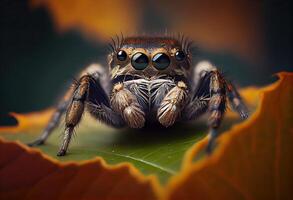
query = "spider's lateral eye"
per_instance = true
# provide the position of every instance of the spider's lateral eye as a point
(179, 55)
(139, 61)
(161, 61)
(121, 55)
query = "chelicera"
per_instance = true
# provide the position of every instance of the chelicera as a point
(148, 80)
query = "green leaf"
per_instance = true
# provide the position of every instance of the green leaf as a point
(155, 150)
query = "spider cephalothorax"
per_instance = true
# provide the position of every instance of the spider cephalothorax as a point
(149, 79)
(150, 57)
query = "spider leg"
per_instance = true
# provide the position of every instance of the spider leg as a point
(211, 91)
(90, 91)
(199, 101)
(98, 105)
(236, 101)
(89, 94)
(217, 106)
(55, 119)
(97, 71)
(74, 111)
(210, 96)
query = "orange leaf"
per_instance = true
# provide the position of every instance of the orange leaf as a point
(31, 122)
(253, 160)
(29, 174)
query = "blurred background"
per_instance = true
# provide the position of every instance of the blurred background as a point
(44, 43)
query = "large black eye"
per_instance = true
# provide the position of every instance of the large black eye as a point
(121, 55)
(161, 61)
(139, 61)
(179, 55)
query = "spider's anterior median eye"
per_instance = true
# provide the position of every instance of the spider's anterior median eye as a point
(179, 55)
(139, 61)
(121, 55)
(161, 61)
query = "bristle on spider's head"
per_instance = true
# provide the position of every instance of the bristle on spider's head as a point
(151, 41)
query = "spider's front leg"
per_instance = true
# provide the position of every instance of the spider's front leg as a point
(89, 91)
(74, 102)
(91, 94)
(126, 104)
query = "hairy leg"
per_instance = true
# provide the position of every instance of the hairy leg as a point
(217, 107)
(210, 95)
(55, 119)
(236, 100)
(88, 94)
(74, 111)
(89, 91)
(126, 104)
(95, 70)
(198, 103)
(172, 104)
(98, 105)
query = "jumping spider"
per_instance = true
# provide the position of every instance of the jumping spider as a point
(149, 80)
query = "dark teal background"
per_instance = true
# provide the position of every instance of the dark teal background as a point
(36, 62)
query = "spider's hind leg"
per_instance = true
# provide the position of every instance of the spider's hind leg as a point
(55, 119)
(236, 100)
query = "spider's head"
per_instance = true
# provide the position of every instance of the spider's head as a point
(150, 57)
